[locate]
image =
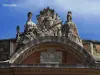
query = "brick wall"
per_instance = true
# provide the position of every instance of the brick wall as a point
(67, 58)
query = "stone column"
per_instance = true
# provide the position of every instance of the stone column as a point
(91, 47)
(11, 48)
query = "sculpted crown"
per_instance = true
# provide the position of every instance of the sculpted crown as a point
(49, 22)
(47, 12)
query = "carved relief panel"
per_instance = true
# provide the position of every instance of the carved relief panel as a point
(51, 57)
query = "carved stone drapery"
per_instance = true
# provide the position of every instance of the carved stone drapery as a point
(70, 31)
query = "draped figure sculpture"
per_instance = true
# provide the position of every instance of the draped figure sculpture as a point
(70, 31)
(30, 28)
(30, 31)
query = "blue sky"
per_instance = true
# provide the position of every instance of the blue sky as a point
(86, 15)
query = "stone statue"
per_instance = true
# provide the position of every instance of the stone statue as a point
(30, 28)
(30, 31)
(18, 33)
(70, 31)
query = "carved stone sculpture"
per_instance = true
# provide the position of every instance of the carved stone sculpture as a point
(51, 57)
(18, 33)
(49, 23)
(30, 31)
(70, 31)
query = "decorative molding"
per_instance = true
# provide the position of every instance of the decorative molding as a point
(25, 69)
(80, 71)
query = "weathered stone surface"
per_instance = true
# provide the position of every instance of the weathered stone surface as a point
(69, 30)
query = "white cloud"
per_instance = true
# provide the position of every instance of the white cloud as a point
(79, 6)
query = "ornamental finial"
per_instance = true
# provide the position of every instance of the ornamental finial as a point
(17, 28)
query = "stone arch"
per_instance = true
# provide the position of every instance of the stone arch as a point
(64, 43)
(33, 57)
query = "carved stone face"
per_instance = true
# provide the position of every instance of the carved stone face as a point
(68, 18)
(29, 16)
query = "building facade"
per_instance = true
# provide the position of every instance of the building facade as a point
(49, 47)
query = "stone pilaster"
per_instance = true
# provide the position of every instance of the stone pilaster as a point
(91, 47)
